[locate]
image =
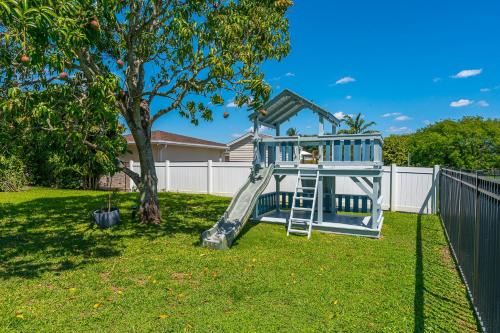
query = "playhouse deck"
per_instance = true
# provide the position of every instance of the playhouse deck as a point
(332, 223)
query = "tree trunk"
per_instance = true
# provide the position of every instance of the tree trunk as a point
(149, 209)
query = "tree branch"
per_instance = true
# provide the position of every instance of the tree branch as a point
(174, 105)
(119, 164)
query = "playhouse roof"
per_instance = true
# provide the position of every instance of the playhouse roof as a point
(286, 105)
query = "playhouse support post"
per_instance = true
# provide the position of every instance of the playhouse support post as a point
(321, 131)
(333, 202)
(277, 146)
(321, 128)
(375, 205)
(277, 181)
(320, 200)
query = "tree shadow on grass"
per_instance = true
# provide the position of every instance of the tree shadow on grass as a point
(52, 234)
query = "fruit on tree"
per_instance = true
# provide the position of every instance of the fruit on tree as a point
(94, 24)
(25, 59)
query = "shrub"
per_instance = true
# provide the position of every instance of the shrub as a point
(12, 174)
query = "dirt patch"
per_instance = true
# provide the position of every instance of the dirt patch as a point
(117, 290)
(446, 258)
(104, 277)
(179, 276)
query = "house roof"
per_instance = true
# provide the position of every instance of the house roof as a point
(287, 104)
(246, 135)
(162, 137)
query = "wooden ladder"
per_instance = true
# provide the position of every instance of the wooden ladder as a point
(303, 225)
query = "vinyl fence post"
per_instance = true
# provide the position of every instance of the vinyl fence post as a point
(167, 175)
(394, 187)
(131, 182)
(209, 177)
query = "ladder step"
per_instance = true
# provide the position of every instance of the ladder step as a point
(305, 198)
(305, 188)
(308, 177)
(298, 231)
(297, 220)
(305, 209)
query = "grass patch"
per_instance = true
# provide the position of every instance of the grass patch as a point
(56, 274)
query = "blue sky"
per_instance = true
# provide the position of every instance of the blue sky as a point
(402, 64)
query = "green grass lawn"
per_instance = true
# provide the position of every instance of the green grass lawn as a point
(58, 275)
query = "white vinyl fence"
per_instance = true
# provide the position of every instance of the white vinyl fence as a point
(406, 189)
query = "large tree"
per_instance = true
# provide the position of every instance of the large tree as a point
(396, 150)
(189, 54)
(469, 143)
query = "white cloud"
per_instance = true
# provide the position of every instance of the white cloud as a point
(483, 104)
(232, 104)
(402, 118)
(398, 129)
(427, 122)
(236, 135)
(345, 79)
(485, 89)
(348, 97)
(262, 128)
(461, 102)
(467, 73)
(339, 115)
(391, 114)
(436, 79)
(290, 74)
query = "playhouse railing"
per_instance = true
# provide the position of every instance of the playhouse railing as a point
(343, 202)
(354, 149)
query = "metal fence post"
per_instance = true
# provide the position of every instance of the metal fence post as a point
(476, 239)
(459, 215)
(435, 189)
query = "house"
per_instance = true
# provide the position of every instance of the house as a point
(178, 148)
(241, 148)
(166, 146)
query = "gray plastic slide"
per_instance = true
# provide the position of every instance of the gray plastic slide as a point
(225, 231)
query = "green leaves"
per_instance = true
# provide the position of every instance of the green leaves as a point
(396, 150)
(469, 143)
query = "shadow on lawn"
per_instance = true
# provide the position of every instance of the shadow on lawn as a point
(53, 234)
(437, 299)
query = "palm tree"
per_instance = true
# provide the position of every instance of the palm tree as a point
(292, 131)
(356, 125)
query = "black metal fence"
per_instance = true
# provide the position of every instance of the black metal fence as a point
(470, 210)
